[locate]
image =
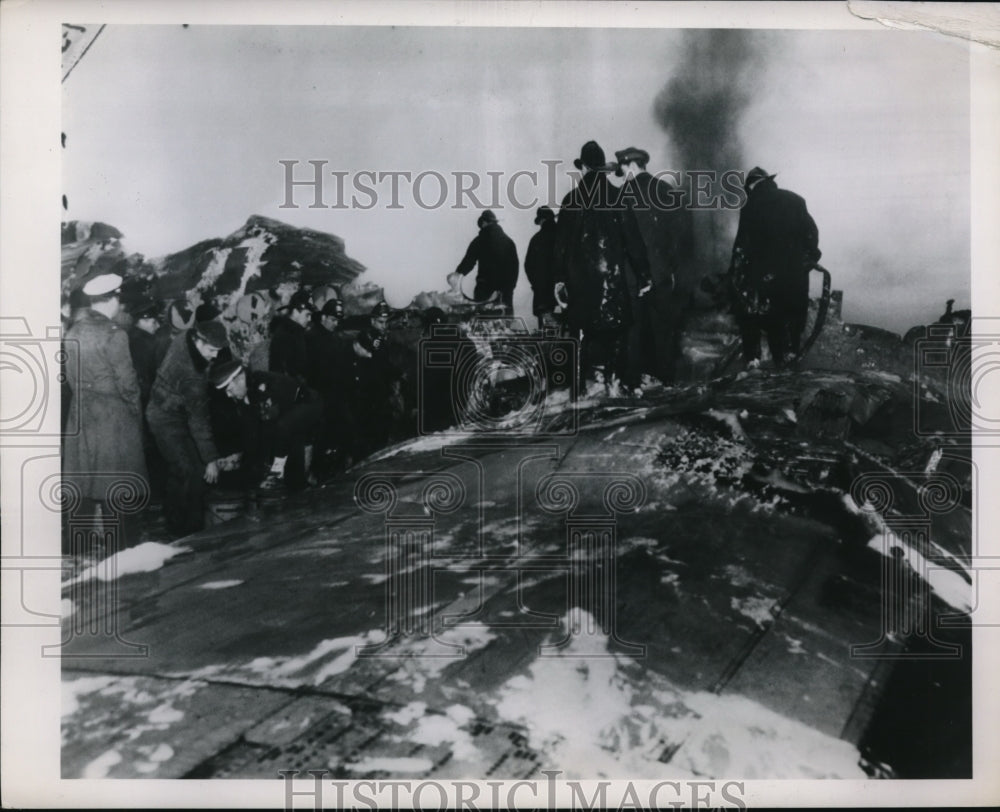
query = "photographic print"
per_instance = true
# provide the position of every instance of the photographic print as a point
(562, 403)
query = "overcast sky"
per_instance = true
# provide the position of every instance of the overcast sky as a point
(175, 134)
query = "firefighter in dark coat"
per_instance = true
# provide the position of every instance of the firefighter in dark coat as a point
(370, 391)
(279, 418)
(102, 449)
(496, 255)
(178, 415)
(776, 246)
(654, 337)
(538, 265)
(597, 244)
(289, 353)
(330, 360)
(144, 346)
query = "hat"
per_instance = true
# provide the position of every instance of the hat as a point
(301, 300)
(381, 310)
(371, 339)
(755, 175)
(180, 315)
(433, 315)
(219, 375)
(544, 214)
(212, 333)
(592, 156)
(103, 284)
(145, 309)
(629, 154)
(206, 312)
(333, 307)
(486, 217)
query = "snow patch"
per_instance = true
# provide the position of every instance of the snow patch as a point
(219, 584)
(947, 584)
(389, 765)
(407, 714)
(72, 689)
(434, 730)
(146, 557)
(756, 608)
(255, 246)
(216, 265)
(101, 766)
(606, 716)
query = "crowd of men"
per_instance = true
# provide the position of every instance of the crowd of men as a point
(170, 402)
(172, 405)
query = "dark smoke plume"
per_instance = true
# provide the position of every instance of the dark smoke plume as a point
(700, 109)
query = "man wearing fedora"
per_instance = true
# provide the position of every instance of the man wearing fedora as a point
(496, 255)
(180, 419)
(776, 246)
(538, 265)
(104, 425)
(654, 337)
(597, 245)
(278, 419)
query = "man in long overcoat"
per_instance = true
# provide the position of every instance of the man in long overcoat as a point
(538, 264)
(776, 246)
(496, 256)
(179, 417)
(654, 337)
(102, 451)
(597, 243)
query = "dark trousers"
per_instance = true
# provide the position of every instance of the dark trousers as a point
(185, 487)
(289, 435)
(603, 348)
(784, 334)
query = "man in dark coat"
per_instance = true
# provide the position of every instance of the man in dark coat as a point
(104, 426)
(146, 356)
(370, 392)
(289, 353)
(330, 359)
(597, 243)
(776, 246)
(279, 418)
(538, 265)
(179, 417)
(654, 336)
(496, 256)
(143, 345)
